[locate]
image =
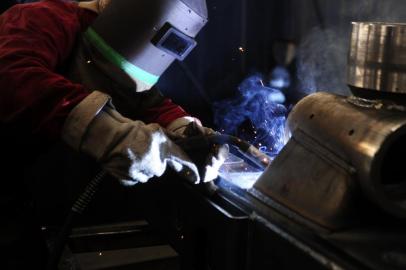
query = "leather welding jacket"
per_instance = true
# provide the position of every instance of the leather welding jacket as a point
(46, 69)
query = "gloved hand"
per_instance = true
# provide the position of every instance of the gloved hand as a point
(129, 150)
(209, 158)
(188, 126)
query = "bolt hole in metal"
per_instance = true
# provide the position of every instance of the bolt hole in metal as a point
(351, 132)
(392, 171)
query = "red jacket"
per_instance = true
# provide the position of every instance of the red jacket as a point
(35, 41)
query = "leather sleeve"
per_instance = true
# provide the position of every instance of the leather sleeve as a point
(159, 109)
(35, 41)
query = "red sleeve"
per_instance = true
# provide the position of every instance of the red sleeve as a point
(164, 113)
(35, 40)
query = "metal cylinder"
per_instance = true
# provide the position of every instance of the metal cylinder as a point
(371, 140)
(377, 58)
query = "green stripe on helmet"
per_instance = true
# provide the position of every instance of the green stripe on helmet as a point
(118, 60)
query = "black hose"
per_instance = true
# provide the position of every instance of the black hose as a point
(77, 209)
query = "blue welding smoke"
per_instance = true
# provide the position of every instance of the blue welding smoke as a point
(256, 114)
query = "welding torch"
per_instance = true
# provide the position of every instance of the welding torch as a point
(208, 141)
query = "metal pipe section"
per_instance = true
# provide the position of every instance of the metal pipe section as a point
(372, 140)
(377, 57)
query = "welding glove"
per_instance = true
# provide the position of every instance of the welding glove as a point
(208, 159)
(129, 150)
(188, 126)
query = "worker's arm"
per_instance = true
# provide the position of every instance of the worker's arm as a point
(129, 150)
(35, 41)
(159, 109)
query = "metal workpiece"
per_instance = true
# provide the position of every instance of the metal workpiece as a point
(370, 142)
(377, 58)
(308, 180)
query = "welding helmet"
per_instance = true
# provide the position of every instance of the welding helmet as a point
(143, 37)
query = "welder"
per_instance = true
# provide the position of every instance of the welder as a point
(84, 73)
